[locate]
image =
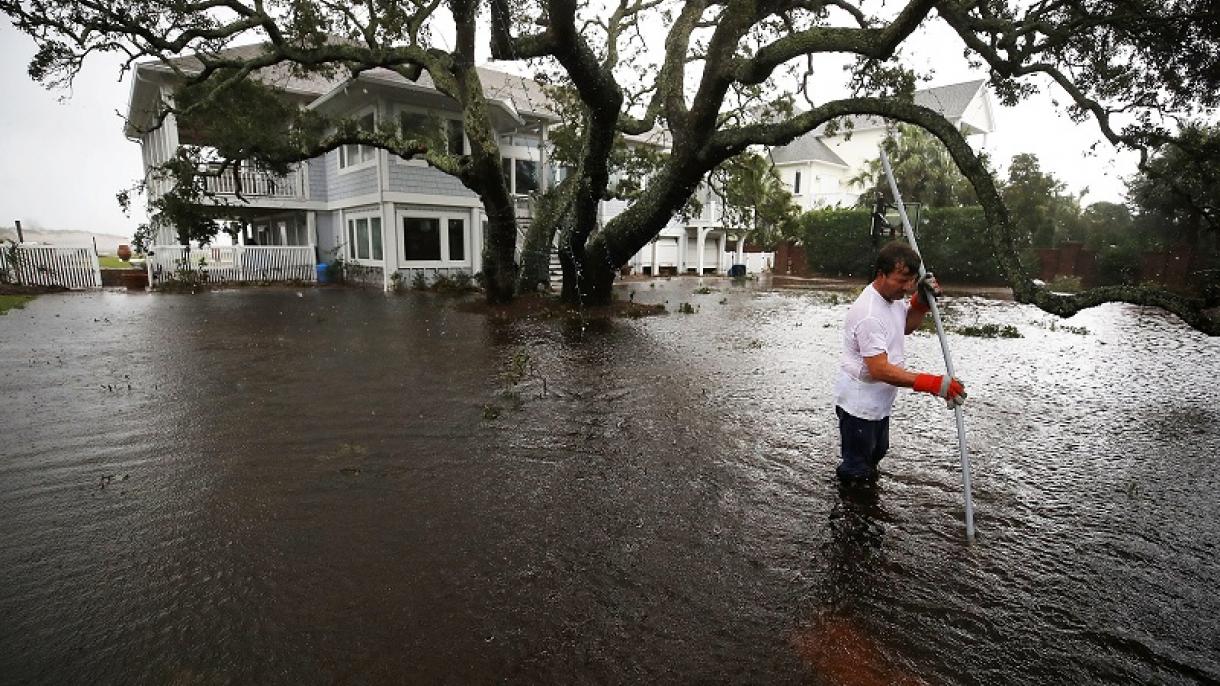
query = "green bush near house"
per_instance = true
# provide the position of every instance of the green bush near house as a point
(837, 242)
(953, 241)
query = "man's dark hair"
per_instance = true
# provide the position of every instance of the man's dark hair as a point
(896, 253)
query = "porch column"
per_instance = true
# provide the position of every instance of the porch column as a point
(476, 240)
(702, 241)
(683, 239)
(389, 244)
(311, 227)
(544, 172)
(652, 270)
(722, 243)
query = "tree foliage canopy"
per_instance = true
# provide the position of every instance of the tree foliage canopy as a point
(922, 168)
(727, 75)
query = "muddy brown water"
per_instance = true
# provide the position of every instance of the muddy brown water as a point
(334, 486)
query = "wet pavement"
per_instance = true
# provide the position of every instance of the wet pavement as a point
(334, 486)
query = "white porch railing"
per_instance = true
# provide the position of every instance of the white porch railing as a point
(255, 183)
(47, 265)
(232, 264)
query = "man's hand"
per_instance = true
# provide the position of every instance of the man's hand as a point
(919, 301)
(945, 387)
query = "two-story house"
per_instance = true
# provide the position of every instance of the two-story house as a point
(374, 209)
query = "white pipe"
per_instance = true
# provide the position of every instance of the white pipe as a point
(944, 346)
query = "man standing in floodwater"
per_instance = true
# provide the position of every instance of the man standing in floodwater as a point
(870, 369)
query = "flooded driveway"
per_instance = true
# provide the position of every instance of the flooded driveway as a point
(331, 486)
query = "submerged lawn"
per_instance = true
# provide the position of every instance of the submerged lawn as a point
(13, 302)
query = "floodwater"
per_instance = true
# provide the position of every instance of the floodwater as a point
(332, 486)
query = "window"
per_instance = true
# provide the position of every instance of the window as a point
(796, 184)
(364, 238)
(457, 239)
(421, 238)
(352, 154)
(424, 126)
(455, 138)
(439, 237)
(521, 176)
(527, 176)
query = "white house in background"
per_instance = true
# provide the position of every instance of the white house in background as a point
(387, 214)
(818, 168)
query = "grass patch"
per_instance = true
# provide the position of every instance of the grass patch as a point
(989, 331)
(112, 262)
(13, 302)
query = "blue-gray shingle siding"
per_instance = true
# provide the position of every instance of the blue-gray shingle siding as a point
(349, 184)
(412, 178)
(317, 178)
(328, 237)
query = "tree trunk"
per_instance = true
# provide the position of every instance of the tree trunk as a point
(499, 265)
(552, 212)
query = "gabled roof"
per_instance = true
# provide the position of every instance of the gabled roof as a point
(521, 95)
(807, 148)
(952, 101)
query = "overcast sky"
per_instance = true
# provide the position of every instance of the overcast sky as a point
(64, 161)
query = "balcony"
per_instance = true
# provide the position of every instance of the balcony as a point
(255, 183)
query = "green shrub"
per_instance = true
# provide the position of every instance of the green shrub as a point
(954, 242)
(989, 331)
(1118, 264)
(398, 283)
(837, 242)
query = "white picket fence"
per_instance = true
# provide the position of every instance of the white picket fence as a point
(47, 265)
(234, 263)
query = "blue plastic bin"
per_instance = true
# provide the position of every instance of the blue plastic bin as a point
(323, 277)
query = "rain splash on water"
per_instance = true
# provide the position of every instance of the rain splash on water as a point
(261, 487)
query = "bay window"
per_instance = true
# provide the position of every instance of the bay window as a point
(434, 237)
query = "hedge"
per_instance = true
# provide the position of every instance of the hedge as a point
(953, 240)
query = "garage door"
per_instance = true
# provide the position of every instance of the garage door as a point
(667, 252)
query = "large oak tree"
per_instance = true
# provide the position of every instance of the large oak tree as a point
(723, 77)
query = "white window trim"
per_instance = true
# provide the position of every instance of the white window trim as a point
(443, 225)
(517, 152)
(371, 162)
(442, 115)
(351, 249)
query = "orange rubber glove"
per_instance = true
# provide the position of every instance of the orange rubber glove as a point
(954, 392)
(917, 302)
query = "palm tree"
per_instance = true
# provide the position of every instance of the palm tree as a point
(922, 168)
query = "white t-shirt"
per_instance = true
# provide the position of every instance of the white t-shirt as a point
(874, 325)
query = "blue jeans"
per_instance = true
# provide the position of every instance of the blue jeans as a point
(864, 442)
